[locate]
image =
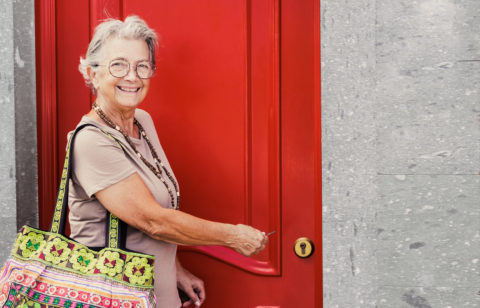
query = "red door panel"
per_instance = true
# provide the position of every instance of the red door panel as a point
(221, 113)
(233, 100)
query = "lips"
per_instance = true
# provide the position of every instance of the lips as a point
(128, 89)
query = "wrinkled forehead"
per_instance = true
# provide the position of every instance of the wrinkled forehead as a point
(132, 50)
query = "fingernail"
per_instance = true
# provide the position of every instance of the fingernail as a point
(197, 303)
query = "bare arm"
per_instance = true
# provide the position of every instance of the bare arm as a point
(131, 201)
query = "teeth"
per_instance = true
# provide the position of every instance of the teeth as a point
(128, 89)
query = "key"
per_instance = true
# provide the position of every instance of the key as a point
(271, 233)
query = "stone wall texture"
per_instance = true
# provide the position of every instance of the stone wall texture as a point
(8, 209)
(401, 157)
(18, 148)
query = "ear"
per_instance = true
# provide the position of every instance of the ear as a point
(92, 74)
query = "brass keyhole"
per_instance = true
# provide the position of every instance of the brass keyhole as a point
(303, 247)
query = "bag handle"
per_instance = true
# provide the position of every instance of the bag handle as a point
(115, 228)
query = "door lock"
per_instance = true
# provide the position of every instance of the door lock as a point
(303, 247)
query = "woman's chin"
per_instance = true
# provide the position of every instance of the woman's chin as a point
(129, 103)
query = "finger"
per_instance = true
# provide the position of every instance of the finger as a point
(187, 304)
(250, 249)
(248, 253)
(255, 251)
(262, 247)
(193, 297)
(190, 302)
(200, 290)
(259, 249)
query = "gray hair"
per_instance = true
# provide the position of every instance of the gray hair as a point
(132, 28)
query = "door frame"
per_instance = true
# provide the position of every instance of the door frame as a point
(46, 59)
(318, 155)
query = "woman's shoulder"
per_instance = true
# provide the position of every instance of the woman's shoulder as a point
(90, 127)
(141, 114)
(90, 137)
(146, 120)
(91, 134)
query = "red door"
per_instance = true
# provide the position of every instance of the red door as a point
(236, 104)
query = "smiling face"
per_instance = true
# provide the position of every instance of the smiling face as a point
(124, 93)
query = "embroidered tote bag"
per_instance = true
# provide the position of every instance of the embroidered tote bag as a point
(47, 269)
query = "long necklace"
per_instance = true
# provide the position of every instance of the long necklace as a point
(159, 165)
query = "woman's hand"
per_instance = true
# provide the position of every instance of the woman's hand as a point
(248, 241)
(191, 285)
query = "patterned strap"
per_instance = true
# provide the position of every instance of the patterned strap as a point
(115, 228)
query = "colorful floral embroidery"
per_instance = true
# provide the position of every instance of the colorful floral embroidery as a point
(138, 270)
(82, 260)
(106, 302)
(126, 305)
(42, 287)
(72, 294)
(61, 291)
(96, 299)
(57, 251)
(31, 243)
(62, 253)
(110, 263)
(22, 296)
(84, 297)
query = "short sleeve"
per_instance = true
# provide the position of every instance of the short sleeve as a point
(98, 161)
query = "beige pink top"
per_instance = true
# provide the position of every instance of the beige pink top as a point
(100, 162)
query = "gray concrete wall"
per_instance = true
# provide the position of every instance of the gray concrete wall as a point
(8, 209)
(18, 160)
(400, 113)
(25, 113)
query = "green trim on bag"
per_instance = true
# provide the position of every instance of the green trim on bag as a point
(124, 267)
(113, 232)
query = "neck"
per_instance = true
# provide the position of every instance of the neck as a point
(124, 118)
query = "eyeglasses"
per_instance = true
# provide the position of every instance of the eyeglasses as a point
(120, 68)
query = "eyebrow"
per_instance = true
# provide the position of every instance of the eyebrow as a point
(120, 58)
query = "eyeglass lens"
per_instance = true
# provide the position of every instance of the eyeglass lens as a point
(120, 68)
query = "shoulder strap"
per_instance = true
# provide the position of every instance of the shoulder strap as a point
(116, 229)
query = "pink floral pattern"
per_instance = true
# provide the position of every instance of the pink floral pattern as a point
(57, 257)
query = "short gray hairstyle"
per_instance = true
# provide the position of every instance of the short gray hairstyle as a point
(132, 28)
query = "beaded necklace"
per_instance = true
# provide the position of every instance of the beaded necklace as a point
(159, 165)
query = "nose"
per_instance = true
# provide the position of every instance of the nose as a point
(131, 75)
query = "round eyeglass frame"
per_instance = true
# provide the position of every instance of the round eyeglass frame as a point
(128, 70)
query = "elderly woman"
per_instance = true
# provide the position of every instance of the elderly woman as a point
(128, 175)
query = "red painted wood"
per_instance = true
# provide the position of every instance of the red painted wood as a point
(46, 108)
(298, 145)
(318, 155)
(72, 96)
(103, 9)
(236, 103)
(264, 114)
(262, 156)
